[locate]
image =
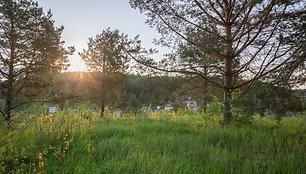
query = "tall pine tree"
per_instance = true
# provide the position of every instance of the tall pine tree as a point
(30, 50)
(250, 33)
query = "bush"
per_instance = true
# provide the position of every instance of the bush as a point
(215, 107)
(263, 97)
(240, 117)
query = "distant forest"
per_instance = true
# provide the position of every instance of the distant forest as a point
(132, 92)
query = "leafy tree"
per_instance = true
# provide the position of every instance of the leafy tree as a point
(30, 51)
(106, 57)
(198, 58)
(144, 90)
(247, 36)
(263, 97)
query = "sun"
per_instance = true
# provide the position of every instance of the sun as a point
(76, 63)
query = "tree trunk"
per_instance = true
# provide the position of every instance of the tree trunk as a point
(10, 79)
(227, 114)
(205, 105)
(7, 110)
(205, 90)
(102, 108)
(8, 101)
(228, 68)
(9, 94)
(9, 97)
(102, 98)
(103, 89)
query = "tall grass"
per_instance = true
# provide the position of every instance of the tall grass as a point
(182, 142)
(25, 146)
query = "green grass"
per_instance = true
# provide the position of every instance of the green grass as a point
(168, 143)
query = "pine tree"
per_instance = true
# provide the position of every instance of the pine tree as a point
(30, 50)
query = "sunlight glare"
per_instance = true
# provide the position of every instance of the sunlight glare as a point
(76, 63)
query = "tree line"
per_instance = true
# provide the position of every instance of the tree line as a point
(225, 46)
(132, 92)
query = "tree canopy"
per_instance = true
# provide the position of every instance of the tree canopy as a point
(246, 38)
(107, 56)
(30, 49)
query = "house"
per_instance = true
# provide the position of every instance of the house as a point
(52, 110)
(118, 112)
(168, 107)
(191, 105)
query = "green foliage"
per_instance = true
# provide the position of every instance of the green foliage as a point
(303, 100)
(31, 52)
(229, 44)
(215, 107)
(128, 92)
(240, 118)
(105, 52)
(34, 109)
(35, 142)
(2, 103)
(144, 91)
(264, 97)
(79, 142)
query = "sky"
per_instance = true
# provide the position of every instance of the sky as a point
(83, 19)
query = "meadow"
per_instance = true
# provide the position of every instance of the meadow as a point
(79, 141)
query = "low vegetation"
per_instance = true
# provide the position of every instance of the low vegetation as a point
(78, 141)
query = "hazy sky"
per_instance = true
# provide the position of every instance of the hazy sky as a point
(86, 18)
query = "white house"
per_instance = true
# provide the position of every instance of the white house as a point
(191, 105)
(52, 109)
(168, 107)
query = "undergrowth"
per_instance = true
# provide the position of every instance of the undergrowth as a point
(78, 141)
